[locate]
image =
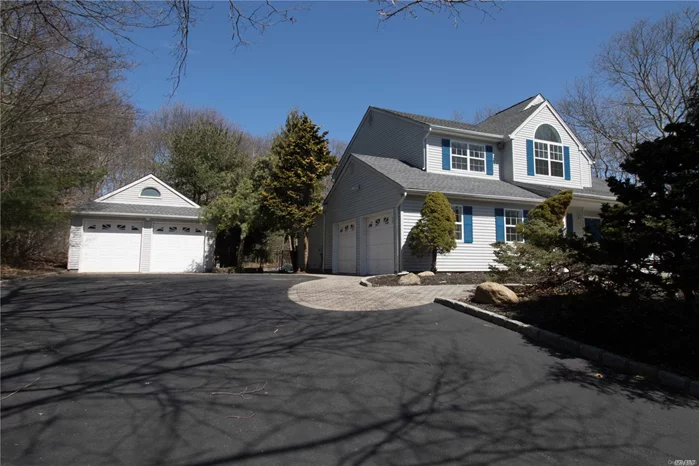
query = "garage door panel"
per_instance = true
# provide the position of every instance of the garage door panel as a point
(379, 247)
(177, 247)
(110, 246)
(347, 247)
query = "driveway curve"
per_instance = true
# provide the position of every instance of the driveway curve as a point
(344, 293)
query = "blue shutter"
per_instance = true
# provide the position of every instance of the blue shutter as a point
(446, 154)
(499, 225)
(566, 162)
(530, 157)
(592, 226)
(524, 215)
(569, 224)
(467, 218)
(489, 160)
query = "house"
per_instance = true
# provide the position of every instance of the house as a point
(492, 173)
(145, 226)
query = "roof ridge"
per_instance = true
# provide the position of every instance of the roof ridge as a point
(405, 114)
(511, 106)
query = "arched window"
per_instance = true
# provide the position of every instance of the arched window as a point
(548, 156)
(150, 192)
(547, 133)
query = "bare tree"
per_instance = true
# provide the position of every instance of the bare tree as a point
(484, 113)
(453, 8)
(640, 83)
(457, 115)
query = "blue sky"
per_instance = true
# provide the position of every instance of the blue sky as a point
(336, 60)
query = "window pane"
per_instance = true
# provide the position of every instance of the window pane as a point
(477, 151)
(477, 165)
(557, 169)
(459, 163)
(541, 150)
(556, 152)
(458, 148)
(542, 167)
(547, 133)
(459, 221)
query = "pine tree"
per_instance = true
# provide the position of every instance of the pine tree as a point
(435, 232)
(651, 239)
(292, 193)
(543, 260)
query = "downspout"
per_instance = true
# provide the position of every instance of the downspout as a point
(400, 230)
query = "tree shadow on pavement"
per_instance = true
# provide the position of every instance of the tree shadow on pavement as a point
(124, 370)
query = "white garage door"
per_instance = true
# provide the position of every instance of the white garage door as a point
(347, 247)
(379, 243)
(177, 248)
(110, 246)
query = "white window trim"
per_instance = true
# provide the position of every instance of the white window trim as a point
(468, 156)
(459, 225)
(548, 159)
(521, 215)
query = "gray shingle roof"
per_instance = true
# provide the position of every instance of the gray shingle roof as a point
(599, 188)
(502, 123)
(430, 120)
(414, 179)
(508, 120)
(138, 210)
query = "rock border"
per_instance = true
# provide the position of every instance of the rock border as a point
(591, 353)
(365, 281)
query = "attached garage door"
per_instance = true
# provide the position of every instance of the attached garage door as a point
(347, 248)
(110, 246)
(379, 244)
(177, 247)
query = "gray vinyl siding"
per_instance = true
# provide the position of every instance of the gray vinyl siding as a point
(434, 157)
(146, 241)
(315, 246)
(506, 162)
(467, 257)
(520, 154)
(75, 241)
(384, 135)
(133, 196)
(375, 193)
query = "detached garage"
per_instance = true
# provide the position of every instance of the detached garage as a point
(145, 226)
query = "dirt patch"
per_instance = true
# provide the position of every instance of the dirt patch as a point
(658, 332)
(462, 278)
(31, 270)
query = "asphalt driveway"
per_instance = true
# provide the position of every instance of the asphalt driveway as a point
(122, 370)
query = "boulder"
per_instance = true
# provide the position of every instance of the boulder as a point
(427, 273)
(494, 293)
(409, 279)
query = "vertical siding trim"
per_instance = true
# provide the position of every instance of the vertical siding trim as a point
(500, 225)
(446, 154)
(530, 157)
(489, 160)
(467, 219)
(566, 162)
(146, 241)
(75, 242)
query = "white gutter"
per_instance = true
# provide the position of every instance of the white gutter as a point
(480, 196)
(447, 129)
(400, 230)
(124, 214)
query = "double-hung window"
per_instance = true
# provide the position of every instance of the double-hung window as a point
(512, 218)
(466, 156)
(548, 152)
(459, 221)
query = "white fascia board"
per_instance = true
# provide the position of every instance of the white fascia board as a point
(133, 215)
(480, 196)
(467, 132)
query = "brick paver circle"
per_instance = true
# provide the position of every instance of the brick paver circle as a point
(344, 293)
